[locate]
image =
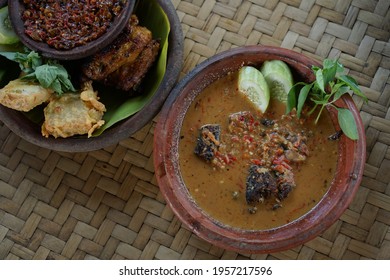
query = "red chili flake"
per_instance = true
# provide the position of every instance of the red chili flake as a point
(68, 24)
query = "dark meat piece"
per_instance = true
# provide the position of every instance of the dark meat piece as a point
(124, 50)
(208, 141)
(285, 180)
(283, 190)
(260, 184)
(130, 75)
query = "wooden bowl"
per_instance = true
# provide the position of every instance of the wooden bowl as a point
(30, 131)
(346, 180)
(16, 9)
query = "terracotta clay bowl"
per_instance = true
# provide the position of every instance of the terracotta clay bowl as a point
(24, 127)
(16, 9)
(346, 180)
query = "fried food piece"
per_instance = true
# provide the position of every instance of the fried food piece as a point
(130, 75)
(24, 95)
(73, 114)
(125, 49)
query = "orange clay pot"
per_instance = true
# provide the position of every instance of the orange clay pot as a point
(345, 183)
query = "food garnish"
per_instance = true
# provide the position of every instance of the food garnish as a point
(252, 84)
(329, 86)
(7, 34)
(47, 72)
(279, 78)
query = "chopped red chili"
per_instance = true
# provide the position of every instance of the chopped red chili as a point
(68, 24)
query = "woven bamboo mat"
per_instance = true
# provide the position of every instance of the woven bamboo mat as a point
(106, 204)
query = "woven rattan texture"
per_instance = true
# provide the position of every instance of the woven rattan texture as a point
(106, 204)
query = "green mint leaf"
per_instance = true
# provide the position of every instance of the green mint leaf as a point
(347, 123)
(304, 92)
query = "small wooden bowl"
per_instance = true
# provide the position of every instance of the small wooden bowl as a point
(346, 181)
(16, 9)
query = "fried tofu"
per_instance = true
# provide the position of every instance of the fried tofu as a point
(23, 95)
(73, 114)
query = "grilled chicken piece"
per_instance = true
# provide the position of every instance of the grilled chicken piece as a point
(130, 75)
(124, 50)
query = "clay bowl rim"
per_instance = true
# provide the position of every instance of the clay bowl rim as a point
(29, 131)
(16, 9)
(297, 232)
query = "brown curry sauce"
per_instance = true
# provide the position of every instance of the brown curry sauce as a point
(247, 139)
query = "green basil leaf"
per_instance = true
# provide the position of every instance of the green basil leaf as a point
(46, 75)
(320, 80)
(304, 92)
(340, 91)
(319, 101)
(28, 60)
(292, 97)
(340, 67)
(347, 123)
(349, 81)
(329, 71)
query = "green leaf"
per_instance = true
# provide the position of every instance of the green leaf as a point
(340, 67)
(320, 80)
(292, 97)
(341, 90)
(53, 76)
(348, 80)
(347, 123)
(319, 101)
(28, 60)
(302, 98)
(152, 16)
(329, 70)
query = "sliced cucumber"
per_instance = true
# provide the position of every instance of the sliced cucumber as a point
(252, 84)
(279, 78)
(7, 34)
